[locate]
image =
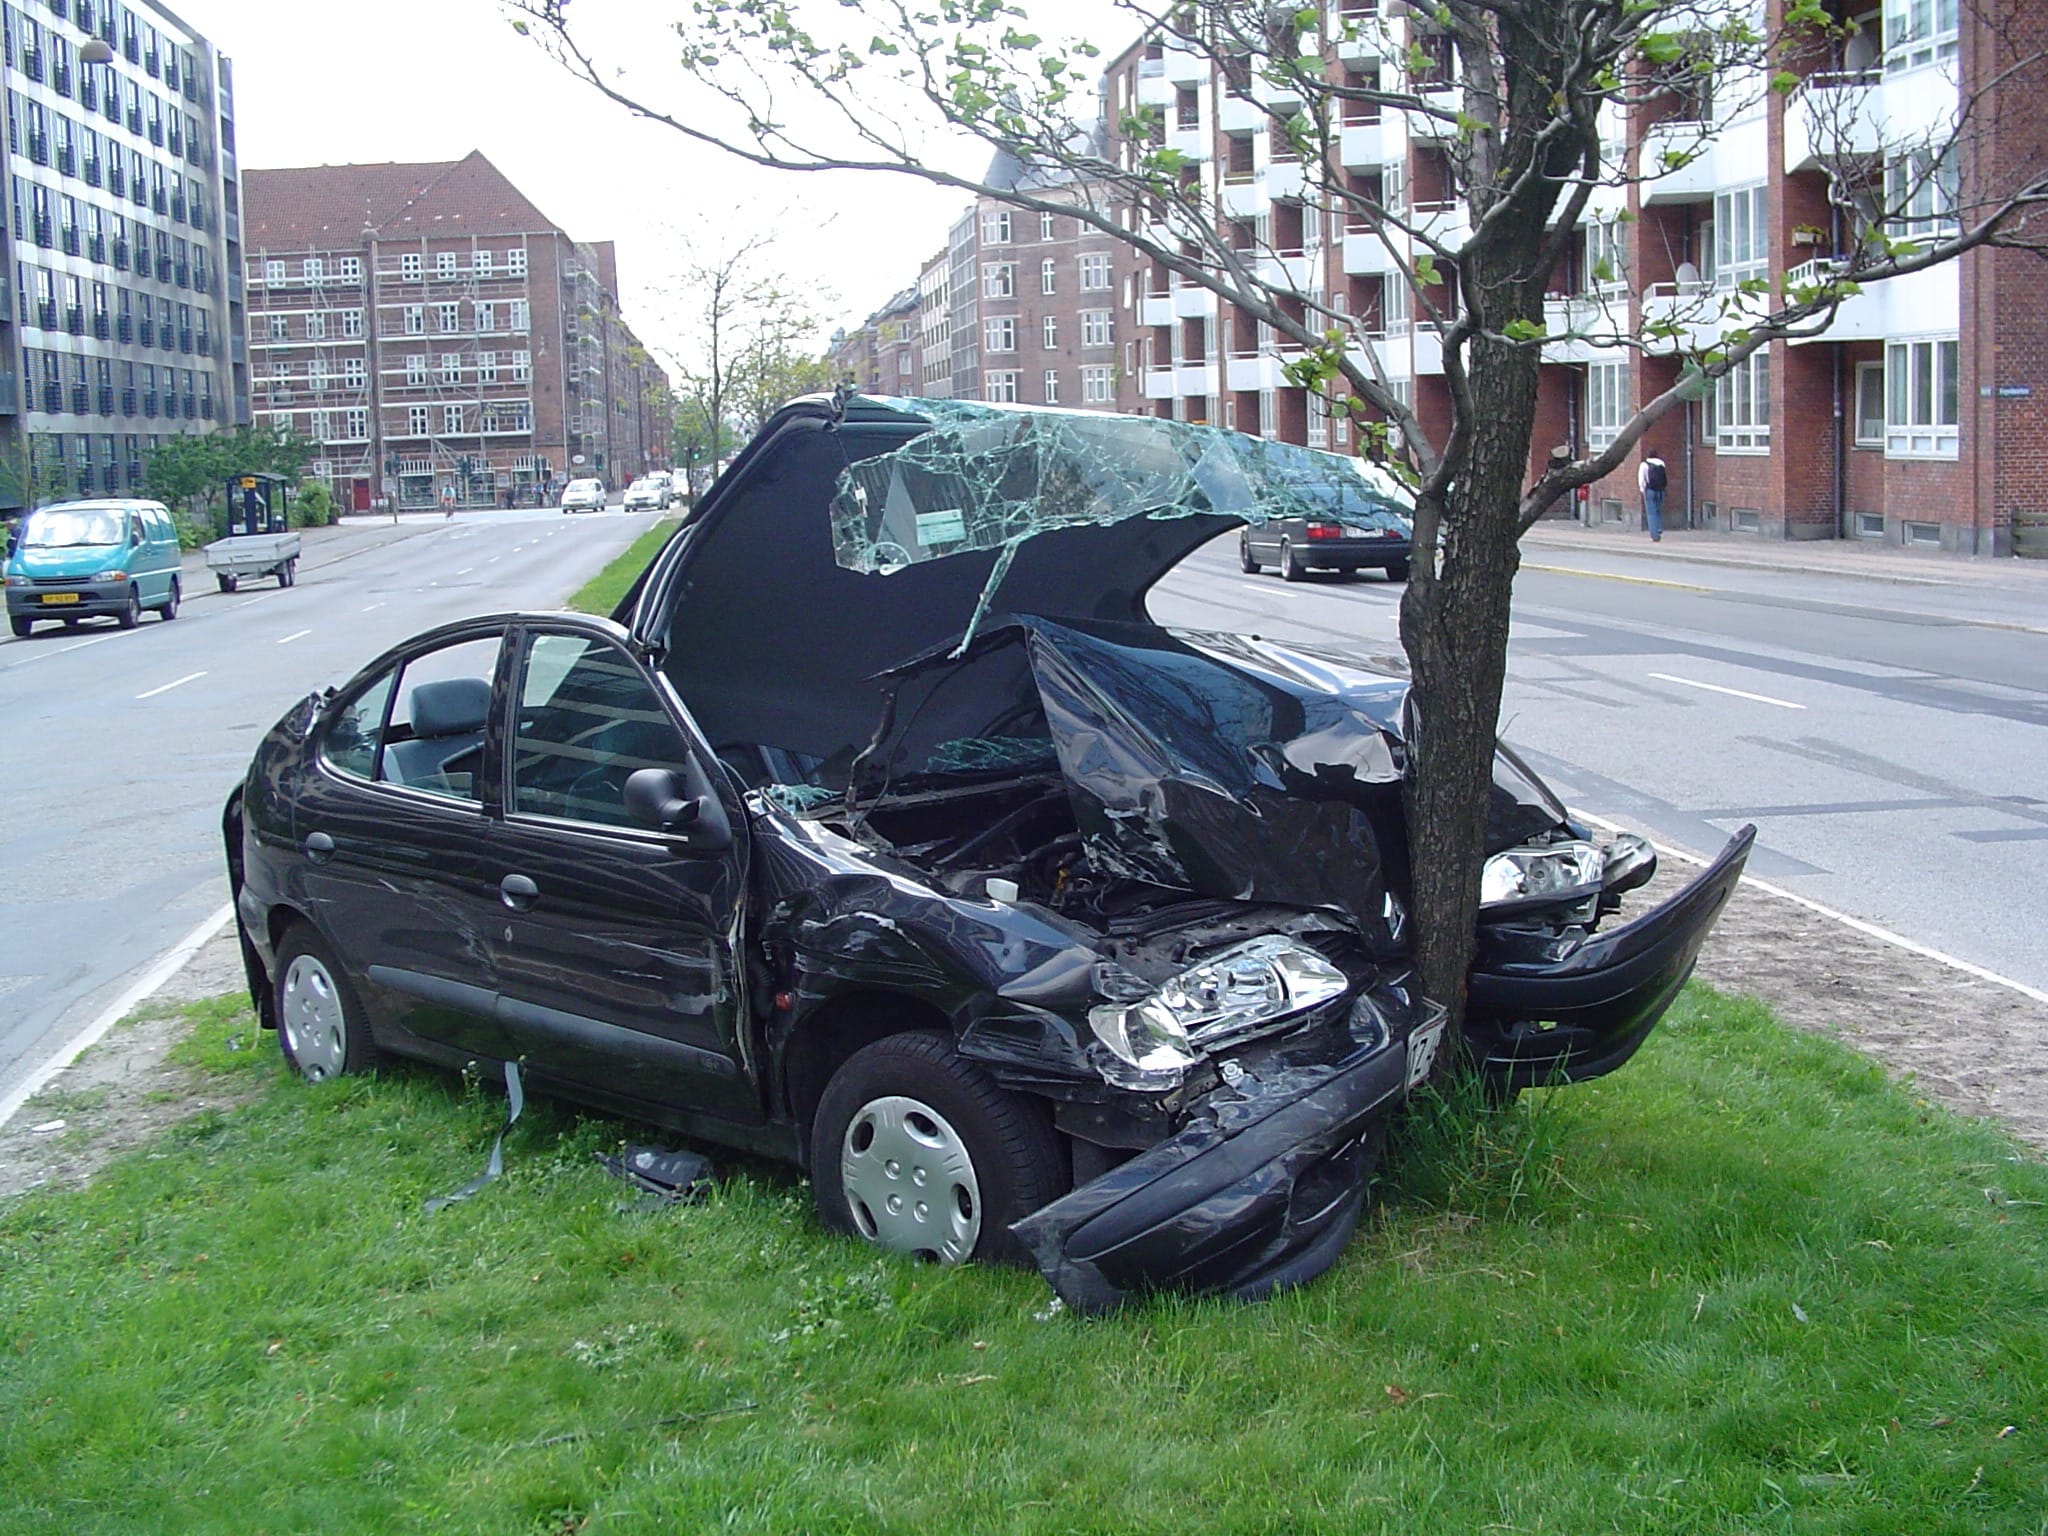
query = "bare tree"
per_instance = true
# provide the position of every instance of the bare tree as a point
(1539, 116)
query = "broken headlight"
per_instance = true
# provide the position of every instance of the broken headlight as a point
(1243, 991)
(1542, 874)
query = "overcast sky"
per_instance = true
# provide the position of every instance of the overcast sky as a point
(413, 80)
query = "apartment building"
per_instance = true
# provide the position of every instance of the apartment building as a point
(1919, 417)
(441, 339)
(123, 247)
(884, 355)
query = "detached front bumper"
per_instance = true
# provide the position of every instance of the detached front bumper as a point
(1560, 1008)
(1258, 1195)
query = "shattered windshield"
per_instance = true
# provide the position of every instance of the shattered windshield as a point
(985, 479)
(988, 479)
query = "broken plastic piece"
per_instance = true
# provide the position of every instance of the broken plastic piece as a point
(670, 1177)
(515, 1095)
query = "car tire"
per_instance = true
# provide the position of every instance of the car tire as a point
(320, 1024)
(20, 625)
(288, 573)
(131, 615)
(1398, 571)
(1245, 558)
(169, 610)
(229, 581)
(1290, 570)
(906, 1117)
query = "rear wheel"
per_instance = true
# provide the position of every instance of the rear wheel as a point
(921, 1153)
(131, 615)
(1245, 557)
(169, 610)
(1290, 568)
(228, 581)
(1398, 571)
(320, 1025)
(288, 573)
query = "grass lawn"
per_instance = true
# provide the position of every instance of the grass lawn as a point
(1746, 1285)
(602, 592)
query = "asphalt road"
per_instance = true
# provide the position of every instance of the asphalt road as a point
(119, 746)
(1888, 737)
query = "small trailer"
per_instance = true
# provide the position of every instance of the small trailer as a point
(258, 542)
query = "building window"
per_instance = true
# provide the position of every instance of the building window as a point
(1048, 276)
(1050, 328)
(451, 418)
(351, 268)
(358, 421)
(313, 269)
(1000, 386)
(1394, 304)
(1870, 405)
(444, 264)
(351, 322)
(451, 368)
(999, 335)
(416, 421)
(1318, 419)
(515, 261)
(280, 327)
(1606, 257)
(316, 325)
(1095, 384)
(1606, 401)
(1742, 245)
(352, 372)
(1095, 328)
(1920, 193)
(317, 423)
(999, 280)
(487, 367)
(415, 319)
(1095, 272)
(1918, 32)
(416, 368)
(486, 318)
(522, 367)
(995, 227)
(447, 318)
(409, 266)
(273, 271)
(1920, 422)
(518, 319)
(1742, 406)
(1045, 226)
(1052, 386)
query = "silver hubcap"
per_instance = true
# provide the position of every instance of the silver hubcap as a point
(910, 1182)
(314, 1025)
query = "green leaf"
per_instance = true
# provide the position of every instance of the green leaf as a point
(1425, 270)
(1784, 82)
(1522, 330)
(1663, 47)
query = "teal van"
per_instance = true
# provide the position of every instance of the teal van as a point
(92, 557)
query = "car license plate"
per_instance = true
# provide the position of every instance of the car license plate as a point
(1422, 1049)
(60, 597)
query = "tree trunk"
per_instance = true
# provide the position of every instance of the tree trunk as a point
(1454, 624)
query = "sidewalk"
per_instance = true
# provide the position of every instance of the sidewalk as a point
(1868, 560)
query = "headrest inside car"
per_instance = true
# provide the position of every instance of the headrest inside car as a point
(450, 708)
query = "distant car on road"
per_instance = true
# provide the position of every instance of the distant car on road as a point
(583, 496)
(647, 494)
(93, 557)
(1369, 529)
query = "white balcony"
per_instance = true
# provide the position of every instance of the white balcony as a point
(1578, 317)
(1367, 146)
(1366, 253)
(1244, 198)
(1159, 383)
(1918, 304)
(1702, 313)
(1155, 309)
(1286, 269)
(1426, 350)
(1284, 180)
(1191, 301)
(1191, 143)
(1195, 379)
(1253, 370)
(1832, 116)
(1186, 66)
(1692, 182)
(1448, 223)
(1240, 114)
(1156, 90)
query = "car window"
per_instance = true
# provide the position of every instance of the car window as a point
(588, 718)
(351, 741)
(435, 739)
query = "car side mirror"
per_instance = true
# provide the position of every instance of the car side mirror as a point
(654, 798)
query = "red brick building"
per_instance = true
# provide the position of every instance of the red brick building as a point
(440, 337)
(1920, 417)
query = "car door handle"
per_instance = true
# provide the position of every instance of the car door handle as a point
(518, 892)
(319, 847)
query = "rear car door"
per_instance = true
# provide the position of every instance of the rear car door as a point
(618, 946)
(391, 826)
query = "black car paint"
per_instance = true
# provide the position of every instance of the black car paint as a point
(794, 943)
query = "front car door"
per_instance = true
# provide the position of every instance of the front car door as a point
(618, 948)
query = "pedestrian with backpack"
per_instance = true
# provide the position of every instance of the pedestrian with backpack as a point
(1651, 480)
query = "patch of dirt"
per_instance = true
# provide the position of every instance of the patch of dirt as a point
(125, 1089)
(1970, 1044)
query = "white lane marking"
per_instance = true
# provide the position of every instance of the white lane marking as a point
(465, 570)
(493, 560)
(1884, 935)
(296, 635)
(1737, 693)
(252, 602)
(189, 677)
(62, 649)
(373, 608)
(168, 965)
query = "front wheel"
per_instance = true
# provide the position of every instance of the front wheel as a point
(131, 615)
(921, 1153)
(320, 1024)
(169, 610)
(20, 625)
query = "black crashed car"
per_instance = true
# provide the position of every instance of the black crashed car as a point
(920, 857)
(1363, 522)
